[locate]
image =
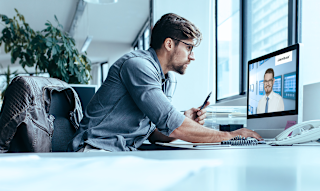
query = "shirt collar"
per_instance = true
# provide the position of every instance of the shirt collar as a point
(155, 57)
(271, 95)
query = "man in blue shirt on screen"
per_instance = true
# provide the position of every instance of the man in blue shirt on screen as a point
(134, 102)
(271, 101)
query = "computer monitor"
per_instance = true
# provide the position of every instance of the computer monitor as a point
(274, 100)
(85, 93)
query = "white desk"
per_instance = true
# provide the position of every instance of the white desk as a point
(274, 168)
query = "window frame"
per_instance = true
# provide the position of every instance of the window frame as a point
(293, 38)
(102, 71)
(146, 26)
(140, 36)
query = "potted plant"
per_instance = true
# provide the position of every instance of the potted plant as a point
(50, 50)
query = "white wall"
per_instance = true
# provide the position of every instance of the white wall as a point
(309, 60)
(194, 86)
(310, 30)
(107, 51)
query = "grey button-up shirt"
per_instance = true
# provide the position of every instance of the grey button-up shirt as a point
(133, 101)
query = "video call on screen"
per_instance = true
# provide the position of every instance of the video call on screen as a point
(284, 67)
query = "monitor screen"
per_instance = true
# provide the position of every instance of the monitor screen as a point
(276, 78)
(85, 93)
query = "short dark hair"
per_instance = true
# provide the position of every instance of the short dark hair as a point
(270, 71)
(173, 26)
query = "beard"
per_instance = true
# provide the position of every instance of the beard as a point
(177, 67)
(180, 69)
(267, 89)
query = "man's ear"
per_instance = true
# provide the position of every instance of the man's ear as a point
(168, 44)
(274, 80)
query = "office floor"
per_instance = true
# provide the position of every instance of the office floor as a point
(273, 168)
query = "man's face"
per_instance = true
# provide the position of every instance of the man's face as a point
(268, 82)
(181, 56)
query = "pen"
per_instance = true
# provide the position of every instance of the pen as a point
(205, 102)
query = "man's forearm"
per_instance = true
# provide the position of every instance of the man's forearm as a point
(156, 136)
(193, 132)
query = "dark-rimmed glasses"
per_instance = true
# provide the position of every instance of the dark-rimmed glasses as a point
(268, 81)
(189, 46)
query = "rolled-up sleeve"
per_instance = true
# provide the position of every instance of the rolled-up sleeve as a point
(143, 83)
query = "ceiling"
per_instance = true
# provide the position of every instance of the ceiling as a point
(117, 23)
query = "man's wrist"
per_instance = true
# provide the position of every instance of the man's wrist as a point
(219, 136)
(228, 135)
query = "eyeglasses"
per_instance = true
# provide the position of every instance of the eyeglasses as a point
(268, 81)
(189, 46)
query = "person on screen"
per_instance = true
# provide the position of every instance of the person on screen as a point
(134, 103)
(271, 101)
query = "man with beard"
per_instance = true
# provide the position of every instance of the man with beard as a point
(134, 102)
(271, 102)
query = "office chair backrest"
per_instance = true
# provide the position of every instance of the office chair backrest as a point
(60, 108)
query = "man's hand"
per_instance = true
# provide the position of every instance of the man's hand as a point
(196, 114)
(246, 133)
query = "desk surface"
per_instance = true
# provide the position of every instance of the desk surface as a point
(273, 168)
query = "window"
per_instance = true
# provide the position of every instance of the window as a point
(267, 26)
(147, 37)
(227, 48)
(246, 30)
(104, 68)
(142, 41)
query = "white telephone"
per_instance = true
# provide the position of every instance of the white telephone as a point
(305, 135)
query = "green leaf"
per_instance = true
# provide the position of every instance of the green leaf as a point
(60, 64)
(56, 18)
(78, 60)
(47, 29)
(6, 19)
(49, 43)
(15, 54)
(71, 66)
(23, 64)
(57, 48)
(49, 53)
(46, 63)
(73, 41)
(13, 60)
(54, 51)
(6, 48)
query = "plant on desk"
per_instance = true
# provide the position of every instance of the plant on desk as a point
(50, 50)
